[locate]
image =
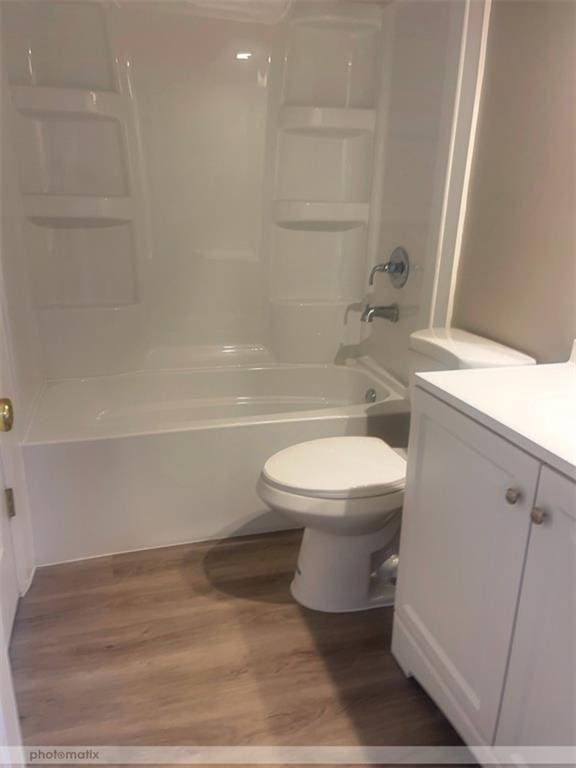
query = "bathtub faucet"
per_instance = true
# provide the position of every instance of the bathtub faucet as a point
(390, 312)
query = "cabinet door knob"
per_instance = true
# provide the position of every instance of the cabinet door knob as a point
(6, 414)
(513, 495)
(538, 516)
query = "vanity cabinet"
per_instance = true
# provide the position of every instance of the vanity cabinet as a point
(485, 613)
(539, 704)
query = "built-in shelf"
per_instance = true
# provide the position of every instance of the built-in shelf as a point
(69, 211)
(319, 216)
(327, 121)
(46, 101)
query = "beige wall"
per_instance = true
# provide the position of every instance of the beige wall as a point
(517, 278)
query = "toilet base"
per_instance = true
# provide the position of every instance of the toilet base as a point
(339, 574)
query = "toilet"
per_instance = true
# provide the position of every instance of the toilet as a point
(347, 492)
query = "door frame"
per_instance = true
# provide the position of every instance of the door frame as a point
(455, 176)
(11, 459)
(11, 444)
(10, 735)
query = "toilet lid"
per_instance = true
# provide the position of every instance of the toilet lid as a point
(337, 468)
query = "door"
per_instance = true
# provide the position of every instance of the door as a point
(465, 530)
(8, 578)
(11, 469)
(9, 726)
(9, 592)
(539, 705)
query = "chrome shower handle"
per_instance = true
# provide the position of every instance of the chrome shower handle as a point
(391, 267)
(397, 268)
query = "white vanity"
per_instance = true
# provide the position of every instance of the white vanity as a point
(486, 602)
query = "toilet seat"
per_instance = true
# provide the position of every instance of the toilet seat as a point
(341, 517)
(337, 468)
(342, 485)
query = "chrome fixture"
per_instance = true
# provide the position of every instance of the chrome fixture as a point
(398, 268)
(371, 395)
(391, 268)
(390, 312)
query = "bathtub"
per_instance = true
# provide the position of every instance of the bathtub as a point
(150, 459)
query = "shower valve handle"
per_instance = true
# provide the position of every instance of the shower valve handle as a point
(397, 267)
(391, 267)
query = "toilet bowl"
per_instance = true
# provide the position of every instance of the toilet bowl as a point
(347, 493)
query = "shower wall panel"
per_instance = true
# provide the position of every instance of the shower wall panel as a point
(423, 67)
(201, 89)
(141, 136)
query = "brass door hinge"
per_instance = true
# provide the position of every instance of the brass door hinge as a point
(10, 503)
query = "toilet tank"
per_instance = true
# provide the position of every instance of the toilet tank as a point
(445, 349)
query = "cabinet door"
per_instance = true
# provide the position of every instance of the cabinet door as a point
(461, 557)
(539, 705)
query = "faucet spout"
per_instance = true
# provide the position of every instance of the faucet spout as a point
(390, 312)
(368, 314)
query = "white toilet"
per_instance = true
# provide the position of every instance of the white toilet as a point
(347, 492)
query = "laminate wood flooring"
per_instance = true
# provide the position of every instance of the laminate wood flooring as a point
(203, 644)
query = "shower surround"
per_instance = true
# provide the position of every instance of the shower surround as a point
(201, 189)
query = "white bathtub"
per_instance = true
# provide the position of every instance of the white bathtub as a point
(149, 459)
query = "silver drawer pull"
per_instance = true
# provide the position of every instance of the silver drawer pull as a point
(513, 495)
(538, 516)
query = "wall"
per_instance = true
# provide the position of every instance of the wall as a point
(22, 374)
(202, 115)
(422, 70)
(19, 305)
(156, 200)
(74, 184)
(322, 160)
(140, 143)
(517, 278)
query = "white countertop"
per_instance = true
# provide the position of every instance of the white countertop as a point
(533, 406)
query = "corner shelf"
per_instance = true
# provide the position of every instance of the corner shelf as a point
(75, 211)
(320, 216)
(327, 121)
(45, 101)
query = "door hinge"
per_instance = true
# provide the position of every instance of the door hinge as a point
(10, 503)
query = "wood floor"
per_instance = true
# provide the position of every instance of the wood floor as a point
(202, 644)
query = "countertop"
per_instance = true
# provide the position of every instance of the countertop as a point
(533, 406)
